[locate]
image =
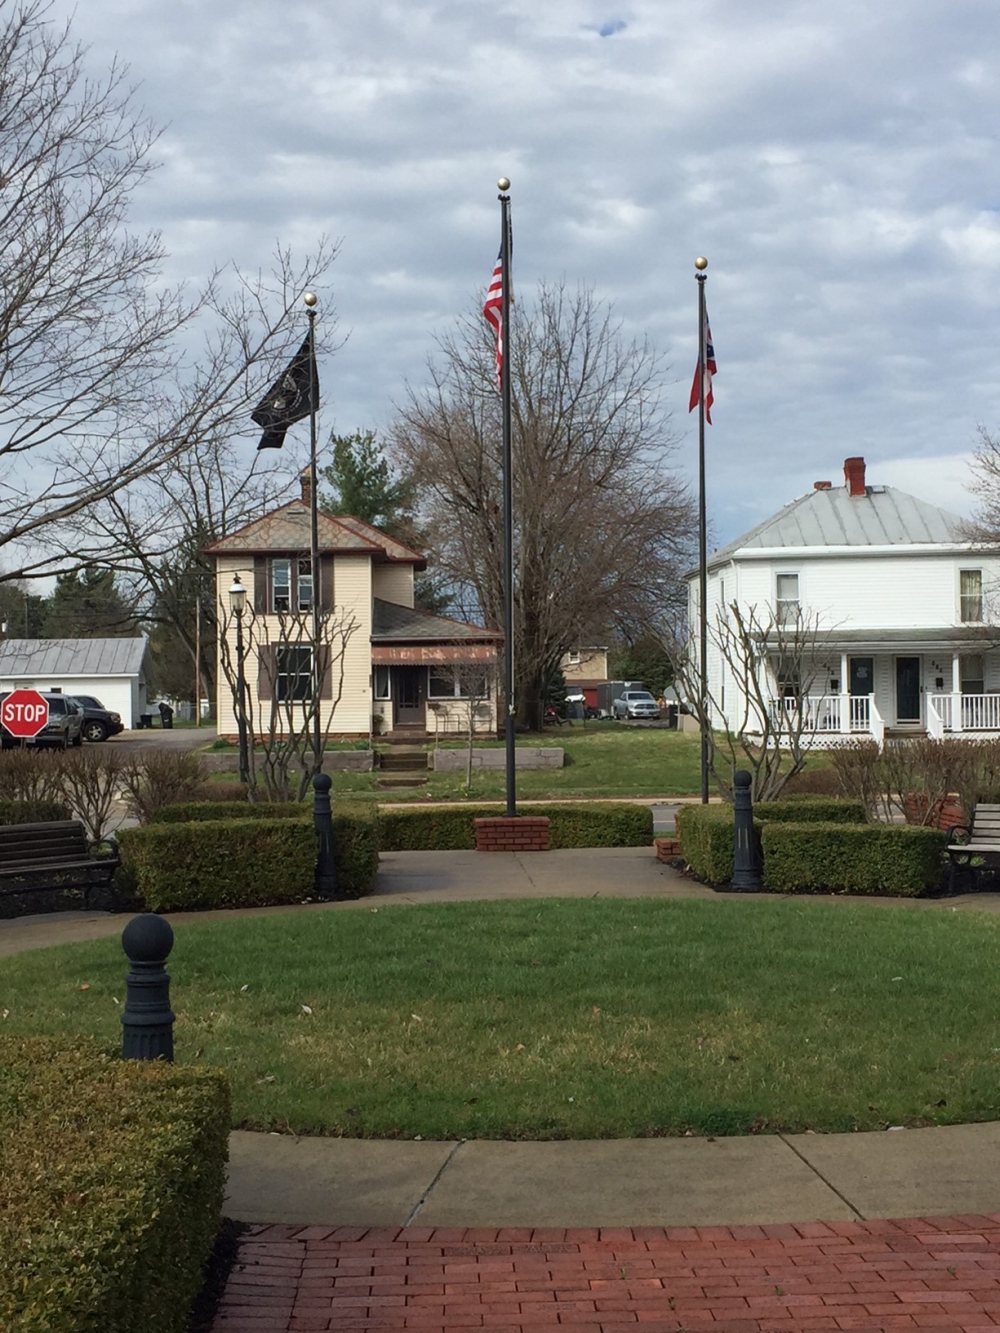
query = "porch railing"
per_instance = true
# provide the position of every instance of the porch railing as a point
(844, 714)
(964, 712)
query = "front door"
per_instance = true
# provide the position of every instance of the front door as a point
(907, 689)
(862, 675)
(408, 693)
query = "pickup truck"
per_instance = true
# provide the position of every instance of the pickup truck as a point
(635, 703)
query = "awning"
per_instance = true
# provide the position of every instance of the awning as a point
(432, 654)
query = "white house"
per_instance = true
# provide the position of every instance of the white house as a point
(112, 670)
(900, 602)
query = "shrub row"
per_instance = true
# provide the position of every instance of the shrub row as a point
(241, 862)
(33, 812)
(452, 827)
(814, 843)
(113, 1174)
(897, 859)
(184, 812)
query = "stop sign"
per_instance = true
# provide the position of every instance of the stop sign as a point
(24, 713)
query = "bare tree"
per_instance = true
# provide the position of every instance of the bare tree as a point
(102, 382)
(281, 716)
(770, 663)
(473, 684)
(602, 527)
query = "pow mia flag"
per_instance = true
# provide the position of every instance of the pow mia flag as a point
(292, 396)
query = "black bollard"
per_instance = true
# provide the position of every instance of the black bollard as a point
(746, 863)
(147, 1019)
(325, 882)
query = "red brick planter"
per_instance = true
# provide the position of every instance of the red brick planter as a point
(667, 849)
(520, 833)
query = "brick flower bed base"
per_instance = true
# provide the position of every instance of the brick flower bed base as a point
(667, 848)
(519, 833)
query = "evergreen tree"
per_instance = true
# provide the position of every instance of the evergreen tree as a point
(86, 604)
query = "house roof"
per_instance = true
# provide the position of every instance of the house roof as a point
(288, 529)
(396, 623)
(72, 657)
(883, 516)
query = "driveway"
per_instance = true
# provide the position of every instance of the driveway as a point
(176, 738)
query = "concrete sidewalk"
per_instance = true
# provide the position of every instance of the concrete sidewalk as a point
(635, 1182)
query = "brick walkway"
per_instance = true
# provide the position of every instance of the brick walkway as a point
(940, 1273)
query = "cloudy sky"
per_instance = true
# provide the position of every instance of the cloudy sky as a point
(837, 163)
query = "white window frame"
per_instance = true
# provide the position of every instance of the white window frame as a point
(304, 579)
(787, 609)
(303, 679)
(281, 563)
(975, 597)
(376, 686)
(456, 690)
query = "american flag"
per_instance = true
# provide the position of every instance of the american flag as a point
(493, 310)
(704, 380)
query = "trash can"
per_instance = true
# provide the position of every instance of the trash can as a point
(166, 716)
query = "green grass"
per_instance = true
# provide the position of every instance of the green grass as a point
(569, 1019)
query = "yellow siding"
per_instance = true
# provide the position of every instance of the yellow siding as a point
(593, 665)
(393, 583)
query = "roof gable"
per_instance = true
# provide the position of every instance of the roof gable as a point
(288, 528)
(883, 516)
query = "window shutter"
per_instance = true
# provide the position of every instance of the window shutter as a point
(267, 670)
(326, 583)
(260, 584)
(325, 674)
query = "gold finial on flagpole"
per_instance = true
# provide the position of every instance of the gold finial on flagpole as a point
(310, 299)
(701, 263)
(503, 184)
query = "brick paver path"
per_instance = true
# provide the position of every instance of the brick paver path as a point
(939, 1273)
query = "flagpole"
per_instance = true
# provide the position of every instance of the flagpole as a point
(508, 500)
(701, 264)
(310, 301)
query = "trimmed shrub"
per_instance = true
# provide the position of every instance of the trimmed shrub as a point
(33, 812)
(216, 789)
(811, 809)
(184, 812)
(900, 860)
(706, 834)
(243, 862)
(113, 1174)
(452, 827)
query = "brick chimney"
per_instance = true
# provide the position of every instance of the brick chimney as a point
(305, 481)
(822, 485)
(854, 475)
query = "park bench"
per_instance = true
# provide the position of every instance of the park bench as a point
(51, 856)
(976, 846)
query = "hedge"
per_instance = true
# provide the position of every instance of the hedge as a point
(242, 862)
(183, 812)
(113, 1173)
(452, 827)
(706, 835)
(818, 809)
(898, 859)
(33, 812)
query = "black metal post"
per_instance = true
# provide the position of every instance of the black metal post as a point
(325, 883)
(241, 694)
(746, 862)
(147, 1019)
(701, 277)
(508, 503)
(317, 666)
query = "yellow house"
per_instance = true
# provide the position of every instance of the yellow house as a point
(385, 664)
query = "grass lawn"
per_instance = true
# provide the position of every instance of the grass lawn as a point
(567, 1019)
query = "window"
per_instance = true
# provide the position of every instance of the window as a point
(281, 585)
(971, 676)
(380, 683)
(460, 684)
(304, 590)
(971, 595)
(788, 598)
(573, 657)
(293, 673)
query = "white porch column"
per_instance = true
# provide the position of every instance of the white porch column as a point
(845, 697)
(956, 692)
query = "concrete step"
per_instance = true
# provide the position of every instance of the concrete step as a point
(401, 781)
(405, 762)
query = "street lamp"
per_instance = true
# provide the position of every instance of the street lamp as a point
(237, 604)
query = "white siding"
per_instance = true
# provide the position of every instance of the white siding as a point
(118, 694)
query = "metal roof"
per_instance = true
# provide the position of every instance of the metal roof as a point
(288, 529)
(883, 516)
(72, 657)
(390, 621)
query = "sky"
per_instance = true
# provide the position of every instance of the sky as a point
(836, 163)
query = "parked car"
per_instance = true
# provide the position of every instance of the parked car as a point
(98, 722)
(64, 727)
(636, 703)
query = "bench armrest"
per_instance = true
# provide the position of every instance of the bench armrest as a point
(957, 829)
(105, 849)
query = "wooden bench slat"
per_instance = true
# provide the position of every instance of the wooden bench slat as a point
(57, 851)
